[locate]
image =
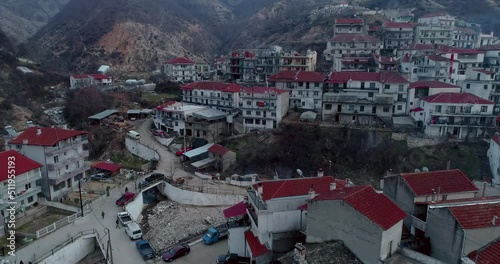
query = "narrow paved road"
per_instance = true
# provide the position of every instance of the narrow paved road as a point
(201, 253)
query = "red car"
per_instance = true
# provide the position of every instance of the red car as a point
(125, 198)
(175, 252)
(181, 151)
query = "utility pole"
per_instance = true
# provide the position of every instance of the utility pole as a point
(80, 190)
(109, 249)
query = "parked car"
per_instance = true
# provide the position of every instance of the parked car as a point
(214, 235)
(175, 252)
(124, 218)
(232, 259)
(133, 230)
(99, 176)
(146, 250)
(125, 198)
(159, 133)
(182, 151)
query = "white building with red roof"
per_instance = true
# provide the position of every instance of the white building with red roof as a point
(62, 154)
(398, 34)
(18, 183)
(223, 157)
(412, 192)
(434, 68)
(364, 97)
(456, 115)
(88, 80)
(494, 158)
(263, 107)
(180, 70)
(480, 82)
(349, 26)
(466, 58)
(305, 88)
(217, 95)
(464, 37)
(274, 216)
(351, 52)
(435, 29)
(457, 230)
(491, 57)
(367, 222)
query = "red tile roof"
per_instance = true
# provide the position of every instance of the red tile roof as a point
(213, 86)
(99, 76)
(418, 109)
(180, 60)
(444, 181)
(384, 77)
(106, 166)
(456, 98)
(354, 38)
(376, 207)
(463, 201)
(264, 90)
(22, 164)
(419, 47)
(294, 187)
(490, 47)
(49, 136)
(348, 21)
(438, 58)
(468, 31)
(477, 215)
(431, 84)
(80, 76)
(297, 76)
(235, 210)
(167, 104)
(496, 139)
(218, 150)
(449, 49)
(489, 254)
(256, 247)
(398, 25)
(483, 71)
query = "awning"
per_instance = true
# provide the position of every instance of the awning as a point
(235, 210)
(198, 151)
(202, 163)
(106, 166)
(255, 246)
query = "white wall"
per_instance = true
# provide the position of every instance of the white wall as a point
(196, 198)
(390, 238)
(73, 252)
(143, 151)
(134, 207)
(236, 240)
(494, 157)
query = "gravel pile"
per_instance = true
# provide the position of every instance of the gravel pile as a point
(170, 222)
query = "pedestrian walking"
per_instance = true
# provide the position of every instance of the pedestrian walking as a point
(117, 224)
(102, 214)
(126, 189)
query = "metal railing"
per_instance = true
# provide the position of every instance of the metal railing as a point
(56, 225)
(201, 189)
(65, 243)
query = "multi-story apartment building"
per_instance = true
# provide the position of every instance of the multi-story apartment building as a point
(491, 57)
(263, 107)
(60, 151)
(435, 29)
(349, 26)
(464, 38)
(398, 34)
(479, 82)
(305, 88)
(209, 124)
(434, 68)
(365, 97)
(172, 117)
(218, 95)
(25, 185)
(458, 115)
(258, 64)
(351, 52)
(88, 80)
(180, 70)
(466, 58)
(486, 39)
(421, 89)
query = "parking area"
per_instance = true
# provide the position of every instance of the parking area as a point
(201, 253)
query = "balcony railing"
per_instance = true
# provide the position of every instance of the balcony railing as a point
(458, 113)
(417, 223)
(53, 179)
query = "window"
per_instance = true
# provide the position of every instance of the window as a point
(486, 87)
(257, 113)
(437, 108)
(328, 106)
(201, 93)
(301, 84)
(386, 109)
(249, 102)
(387, 86)
(176, 123)
(204, 133)
(64, 153)
(445, 197)
(468, 86)
(452, 109)
(264, 122)
(484, 109)
(351, 107)
(370, 95)
(372, 85)
(67, 167)
(362, 108)
(248, 121)
(316, 84)
(400, 107)
(273, 113)
(257, 121)
(27, 186)
(249, 112)
(30, 199)
(316, 93)
(56, 159)
(401, 88)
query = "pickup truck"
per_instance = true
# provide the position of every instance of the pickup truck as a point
(146, 250)
(232, 259)
(124, 218)
(214, 235)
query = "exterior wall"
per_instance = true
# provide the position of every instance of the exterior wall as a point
(181, 72)
(338, 51)
(390, 240)
(450, 196)
(401, 195)
(214, 99)
(396, 37)
(478, 238)
(200, 199)
(303, 95)
(73, 252)
(135, 206)
(359, 234)
(80, 82)
(478, 83)
(276, 108)
(494, 158)
(236, 241)
(138, 149)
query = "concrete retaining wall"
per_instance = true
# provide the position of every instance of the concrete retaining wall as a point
(60, 206)
(74, 252)
(196, 198)
(203, 176)
(418, 256)
(141, 150)
(134, 207)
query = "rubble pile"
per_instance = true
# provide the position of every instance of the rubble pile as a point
(170, 222)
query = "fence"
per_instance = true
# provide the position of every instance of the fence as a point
(63, 222)
(65, 243)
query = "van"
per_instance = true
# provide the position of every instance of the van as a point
(134, 135)
(133, 230)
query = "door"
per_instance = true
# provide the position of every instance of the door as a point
(390, 249)
(339, 108)
(337, 118)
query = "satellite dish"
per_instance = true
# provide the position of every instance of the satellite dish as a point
(497, 110)
(300, 173)
(425, 169)
(417, 170)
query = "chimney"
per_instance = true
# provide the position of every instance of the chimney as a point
(381, 184)
(333, 186)
(300, 253)
(38, 131)
(25, 142)
(321, 173)
(494, 220)
(484, 188)
(260, 189)
(52, 126)
(448, 165)
(433, 194)
(312, 193)
(253, 179)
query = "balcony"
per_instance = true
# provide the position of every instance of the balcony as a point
(55, 179)
(256, 200)
(32, 191)
(458, 113)
(417, 223)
